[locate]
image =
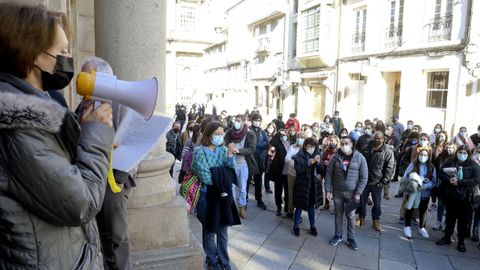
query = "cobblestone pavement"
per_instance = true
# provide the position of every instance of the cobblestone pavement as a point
(265, 241)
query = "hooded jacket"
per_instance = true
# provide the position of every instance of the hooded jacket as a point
(52, 182)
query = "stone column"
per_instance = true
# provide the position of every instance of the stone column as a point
(130, 35)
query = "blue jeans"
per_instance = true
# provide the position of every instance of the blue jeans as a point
(242, 178)
(377, 200)
(440, 208)
(217, 253)
(298, 215)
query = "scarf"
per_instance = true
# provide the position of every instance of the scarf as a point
(238, 135)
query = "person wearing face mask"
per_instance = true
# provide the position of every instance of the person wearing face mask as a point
(307, 190)
(316, 130)
(448, 153)
(332, 146)
(293, 122)
(437, 148)
(278, 171)
(279, 124)
(174, 145)
(245, 142)
(398, 127)
(292, 135)
(404, 157)
(420, 178)
(260, 157)
(346, 177)
(393, 142)
(187, 134)
(462, 139)
(337, 123)
(53, 165)
(381, 168)
(213, 154)
(365, 139)
(457, 193)
(475, 138)
(290, 168)
(329, 130)
(271, 130)
(407, 132)
(326, 122)
(436, 131)
(357, 132)
(343, 133)
(423, 143)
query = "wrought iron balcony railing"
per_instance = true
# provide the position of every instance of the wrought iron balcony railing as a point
(440, 29)
(358, 43)
(393, 37)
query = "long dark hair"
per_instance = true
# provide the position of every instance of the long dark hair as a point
(208, 132)
(430, 166)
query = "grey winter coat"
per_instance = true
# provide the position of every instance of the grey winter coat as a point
(354, 179)
(52, 182)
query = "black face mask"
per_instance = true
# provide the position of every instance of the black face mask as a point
(62, 75)
(176, 130)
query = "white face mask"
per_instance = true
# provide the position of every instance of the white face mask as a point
(256, 123)
(310, 150)
(437, 130)
(270, 130)
(292, 133)
(441, 138)
(346, 149)
(422, 159)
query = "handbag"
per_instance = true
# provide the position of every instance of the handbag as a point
(190, 190)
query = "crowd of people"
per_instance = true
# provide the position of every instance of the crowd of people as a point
(313, 164)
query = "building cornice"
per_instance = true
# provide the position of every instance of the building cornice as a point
(440, 50)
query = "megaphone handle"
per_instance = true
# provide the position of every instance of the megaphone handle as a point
(99, 101)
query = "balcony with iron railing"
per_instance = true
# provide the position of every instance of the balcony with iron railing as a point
(440, 29)
(393, 37)
(263, 47)
(358, 42)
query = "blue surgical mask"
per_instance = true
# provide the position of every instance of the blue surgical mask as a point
(422, 159)
(217, 140)
(462, 157)
(367, 131)
(423, 143)
(414, 142)
(237, 125)
(463, 133)
(300, 141)
(284, 138)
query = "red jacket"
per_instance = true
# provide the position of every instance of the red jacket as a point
(293, 122)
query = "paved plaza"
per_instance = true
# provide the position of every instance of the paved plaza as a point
(265, 241)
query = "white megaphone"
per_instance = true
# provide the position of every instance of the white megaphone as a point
(140, 96)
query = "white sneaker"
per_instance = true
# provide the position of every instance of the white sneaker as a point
(423, 233)
(407, 231)
(437, 226)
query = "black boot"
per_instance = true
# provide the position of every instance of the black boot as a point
(279, 211)
(475, 234)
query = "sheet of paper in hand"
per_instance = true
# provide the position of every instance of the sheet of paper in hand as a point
(450, 171)
(136, 138)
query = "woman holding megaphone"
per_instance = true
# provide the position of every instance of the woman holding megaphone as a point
(53, 168)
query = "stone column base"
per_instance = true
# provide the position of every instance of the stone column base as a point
(179, 258)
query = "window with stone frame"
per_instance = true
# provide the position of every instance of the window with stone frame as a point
(437, 89)
(311, 36)
(187, 18)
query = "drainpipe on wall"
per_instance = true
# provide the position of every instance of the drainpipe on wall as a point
(337, 61)
(464, 43)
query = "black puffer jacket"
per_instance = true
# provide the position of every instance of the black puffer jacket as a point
(307, 190)
(463, 191)
(52, 182)
(381, 164)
